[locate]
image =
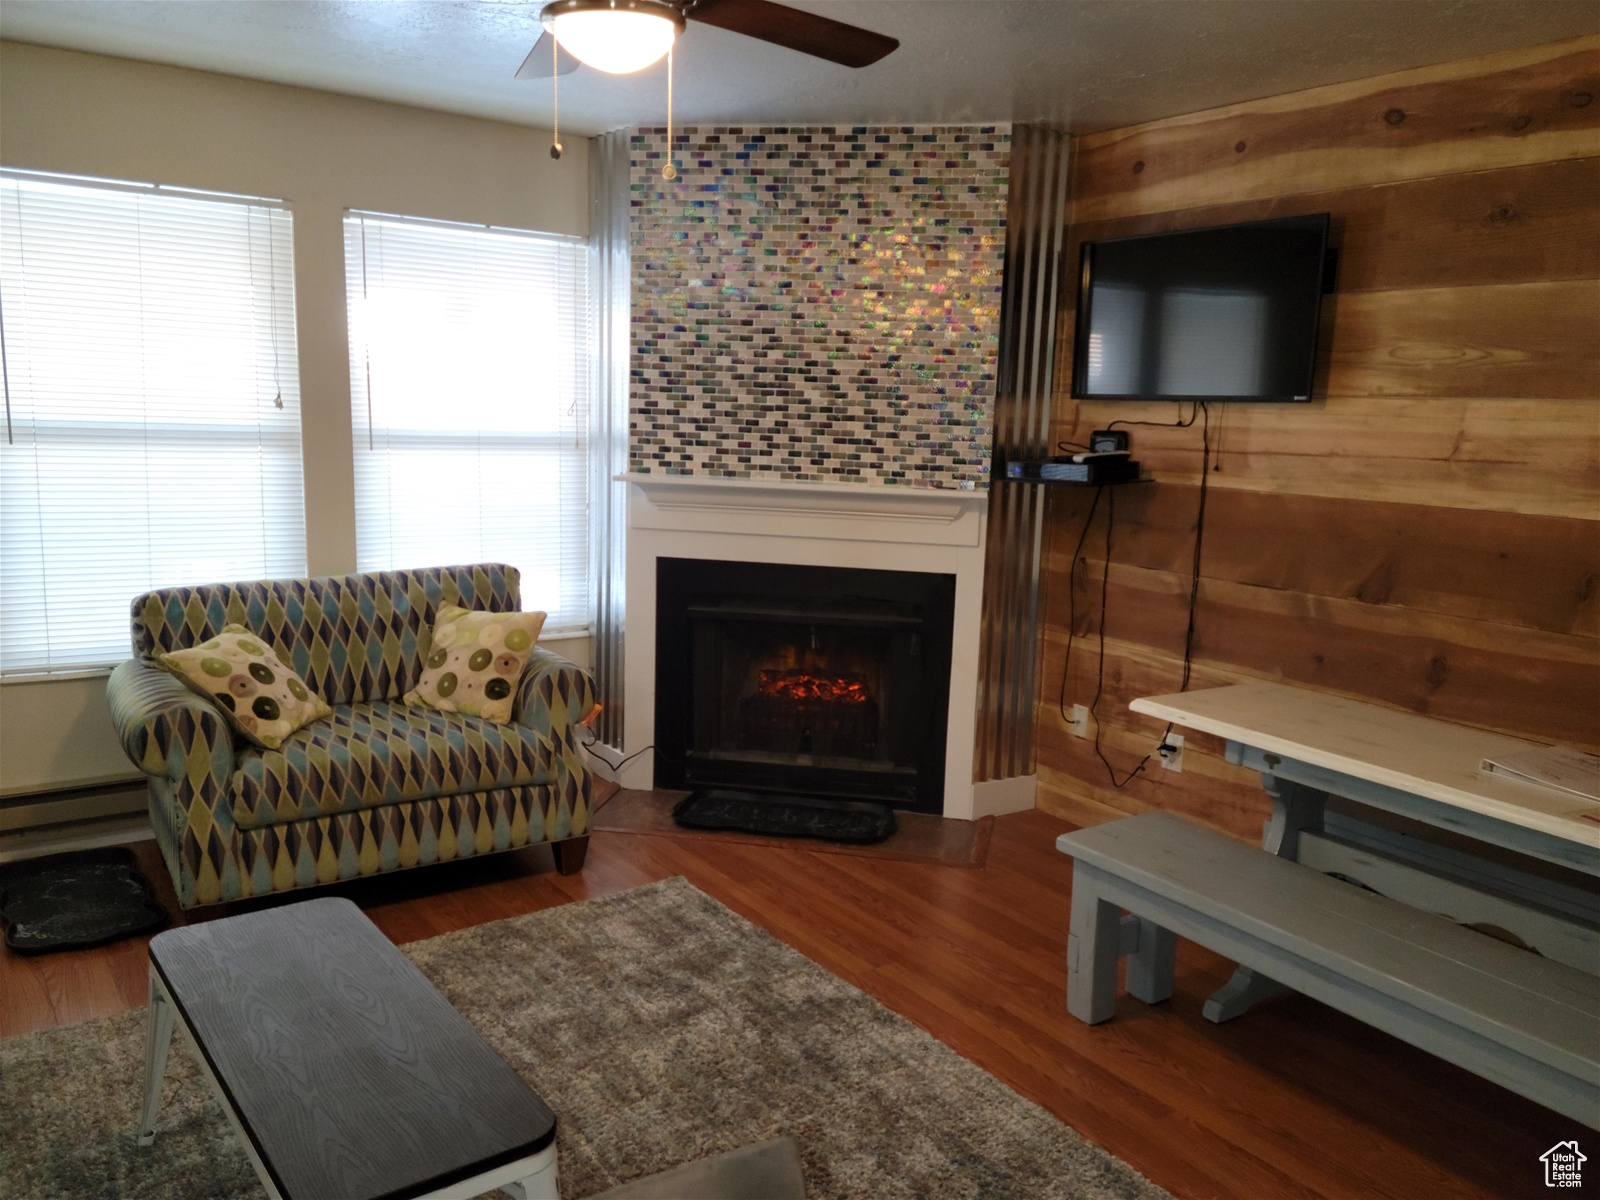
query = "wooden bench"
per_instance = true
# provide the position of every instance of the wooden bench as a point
(344, 1072)
(1529, 1024)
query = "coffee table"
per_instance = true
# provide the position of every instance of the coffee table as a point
(344, 1072)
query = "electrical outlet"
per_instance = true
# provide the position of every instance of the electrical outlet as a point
(1171, 751)
(1080, 721)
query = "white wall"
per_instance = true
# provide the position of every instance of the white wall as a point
(85, 114)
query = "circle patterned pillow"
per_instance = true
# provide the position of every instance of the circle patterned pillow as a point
(475, 662)
(243, 676)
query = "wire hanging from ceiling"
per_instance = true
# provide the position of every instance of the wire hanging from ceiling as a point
(555, 98)
(669, 172)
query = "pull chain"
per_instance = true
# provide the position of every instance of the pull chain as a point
(555, 93)
(669, 172)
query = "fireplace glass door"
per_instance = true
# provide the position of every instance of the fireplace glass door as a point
(814, 681)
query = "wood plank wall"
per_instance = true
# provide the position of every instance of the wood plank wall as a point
(1423, 534)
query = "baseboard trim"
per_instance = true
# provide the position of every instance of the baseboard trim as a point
(603, 760)
(42, 810)
(996, 797)
(74, 835)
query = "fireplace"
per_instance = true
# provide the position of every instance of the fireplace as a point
(829, 682)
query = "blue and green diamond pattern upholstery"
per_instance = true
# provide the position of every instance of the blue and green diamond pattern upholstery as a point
(379, 785)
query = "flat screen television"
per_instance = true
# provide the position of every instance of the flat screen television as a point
(1224, 313)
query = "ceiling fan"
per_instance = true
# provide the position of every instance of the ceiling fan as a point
(621, 36)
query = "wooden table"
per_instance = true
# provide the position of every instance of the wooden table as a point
(1309, 745)
(344, 1072)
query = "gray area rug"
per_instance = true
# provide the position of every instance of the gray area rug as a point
(660, 1027)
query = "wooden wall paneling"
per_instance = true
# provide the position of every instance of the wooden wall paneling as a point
(1504, 110)
(1530, 571)
(1424, 534)
(1539, 457)
(1515, 680)
(1509, 677)
(1074, 782)
(1501, 677)
(1513, 225)
(1526, 339)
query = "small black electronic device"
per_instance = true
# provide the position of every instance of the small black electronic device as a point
(1230, 312)
(1093, 469)
(1103, 440)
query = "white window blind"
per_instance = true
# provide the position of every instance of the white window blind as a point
(152, 423)
(471, 366)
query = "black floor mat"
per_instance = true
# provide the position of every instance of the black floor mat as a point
(854, 821)
(69, 901)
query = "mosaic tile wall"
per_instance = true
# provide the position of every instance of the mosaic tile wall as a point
(818, 304)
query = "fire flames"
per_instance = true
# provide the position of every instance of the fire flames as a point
(797, 683)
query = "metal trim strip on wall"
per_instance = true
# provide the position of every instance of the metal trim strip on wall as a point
(608, 433)
(1036, 225)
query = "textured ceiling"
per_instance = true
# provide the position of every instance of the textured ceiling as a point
(1087, 64)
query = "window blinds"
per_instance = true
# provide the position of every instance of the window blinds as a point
(471, 370)
(152, 431)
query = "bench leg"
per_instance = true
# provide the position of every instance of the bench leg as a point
(1150, 964)
(541, 1184)
(1246, 989)
(157, 1041)
(1093, 946)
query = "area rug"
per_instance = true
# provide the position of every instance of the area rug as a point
(660, 1027)
(918, 837)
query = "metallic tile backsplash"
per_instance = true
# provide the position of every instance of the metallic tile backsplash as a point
(818, 304)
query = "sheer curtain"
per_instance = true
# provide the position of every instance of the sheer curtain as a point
(471, 365)
(152, 407)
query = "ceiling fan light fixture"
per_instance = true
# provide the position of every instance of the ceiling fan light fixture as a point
(615, 36)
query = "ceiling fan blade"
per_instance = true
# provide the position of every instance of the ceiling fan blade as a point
(537, 64)
(798, 30)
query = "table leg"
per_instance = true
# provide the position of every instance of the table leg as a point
(158, 1040)
(1296, 809)
(541, 1184)
(1243, 992)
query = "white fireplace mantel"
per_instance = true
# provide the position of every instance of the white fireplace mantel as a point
(860, 512)
(870, 526)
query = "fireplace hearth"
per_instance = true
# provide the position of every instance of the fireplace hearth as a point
(827, 682)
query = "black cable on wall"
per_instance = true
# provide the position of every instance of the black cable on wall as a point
(1203, 411)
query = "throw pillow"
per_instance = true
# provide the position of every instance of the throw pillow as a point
(238, 672)
(475, 661)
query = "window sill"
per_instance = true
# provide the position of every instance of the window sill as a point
(58, 676)
(564, 635)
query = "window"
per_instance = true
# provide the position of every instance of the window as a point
(471, 371)
(152, 421)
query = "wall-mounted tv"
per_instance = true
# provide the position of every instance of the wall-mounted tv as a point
(1224, 313)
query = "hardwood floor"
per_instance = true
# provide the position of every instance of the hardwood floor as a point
(1295, 1100)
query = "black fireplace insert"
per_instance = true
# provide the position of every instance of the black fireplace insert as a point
(829, 682)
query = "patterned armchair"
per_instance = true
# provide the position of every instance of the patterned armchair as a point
(378, 786)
